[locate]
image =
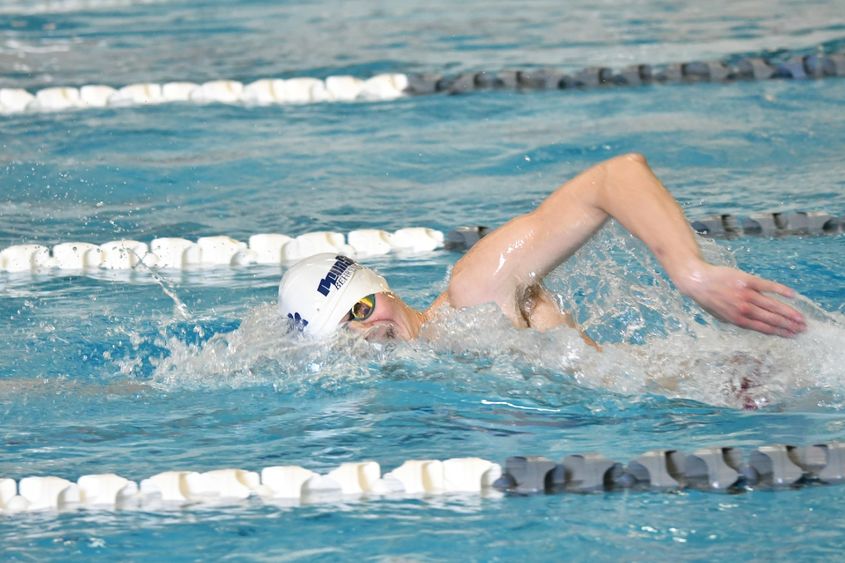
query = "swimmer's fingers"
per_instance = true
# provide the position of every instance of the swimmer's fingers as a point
(775, 306)
(764, 327)
(760, 312)
(761, 285)
(741, 299)
(778, 307)
(780, 316)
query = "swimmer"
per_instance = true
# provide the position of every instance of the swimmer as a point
(507, 266)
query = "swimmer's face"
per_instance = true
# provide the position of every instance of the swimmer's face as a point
(387, 320)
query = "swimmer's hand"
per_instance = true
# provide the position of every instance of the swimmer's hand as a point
(736, 297)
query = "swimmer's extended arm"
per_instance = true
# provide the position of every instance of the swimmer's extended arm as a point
(524, 250)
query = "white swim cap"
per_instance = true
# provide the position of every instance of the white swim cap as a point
(316, 293)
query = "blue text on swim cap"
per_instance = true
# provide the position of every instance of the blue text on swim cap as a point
(335, 276)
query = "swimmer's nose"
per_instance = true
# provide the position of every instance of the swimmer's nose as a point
(355, 325)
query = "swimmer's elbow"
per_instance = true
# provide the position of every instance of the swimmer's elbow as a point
(636, 158)
(620, 175)
(626, 164)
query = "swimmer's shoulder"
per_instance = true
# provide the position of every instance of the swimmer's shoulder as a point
(441, 301)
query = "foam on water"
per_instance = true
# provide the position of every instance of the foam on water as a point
(718, 365)
(262, 350)
(653, 341)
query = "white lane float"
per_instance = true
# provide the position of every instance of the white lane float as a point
(137, 94)
(14, 100)
(265, 91)
(219, 91)
(96, 95)
(56, 99)
(287, 483)
(214, 251)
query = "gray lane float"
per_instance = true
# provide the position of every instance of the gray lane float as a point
(770, 224)
(588, 472)
(816, 66)
(718, 469)
(725, 225)
(713, 468)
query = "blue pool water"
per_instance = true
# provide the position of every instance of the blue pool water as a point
(102, 373)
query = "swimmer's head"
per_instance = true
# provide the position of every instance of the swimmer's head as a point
(317, 293)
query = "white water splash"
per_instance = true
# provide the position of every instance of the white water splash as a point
(653, 341)
(262, 350)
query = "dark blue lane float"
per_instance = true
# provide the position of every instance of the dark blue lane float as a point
(815, 66)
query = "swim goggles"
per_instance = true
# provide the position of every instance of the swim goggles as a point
(362, 309)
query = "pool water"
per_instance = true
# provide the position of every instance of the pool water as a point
(103, 372)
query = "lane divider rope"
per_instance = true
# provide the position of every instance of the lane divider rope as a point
(390, 86)
(279, 249)
(180, 253)
(718, 469)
